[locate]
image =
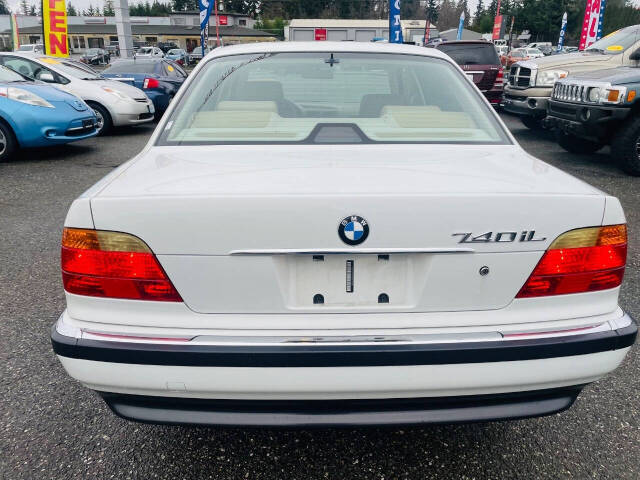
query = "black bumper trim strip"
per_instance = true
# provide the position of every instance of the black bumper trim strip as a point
(341, 355)
(341, 413)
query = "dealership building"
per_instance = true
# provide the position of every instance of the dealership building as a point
(182, 28)
(319, 29)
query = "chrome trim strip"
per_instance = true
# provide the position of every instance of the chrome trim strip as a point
(624, 321)
(347, 251)
(75, 129)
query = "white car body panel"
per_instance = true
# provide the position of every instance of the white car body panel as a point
(235, 227)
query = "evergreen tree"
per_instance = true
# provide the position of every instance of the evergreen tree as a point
(24, 7)
(4, 10)
(90, 12)
(432, 11)
(71, 10)
(32, 11)
(108, 9)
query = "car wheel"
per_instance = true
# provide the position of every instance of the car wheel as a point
(105, 124)
(574, 144)
(7, 142)
(534, 123)
(625, 147)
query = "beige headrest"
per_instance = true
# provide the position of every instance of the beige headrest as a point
(427, 117)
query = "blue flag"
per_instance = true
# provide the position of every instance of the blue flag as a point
(460, 27)
(395, 29)
(205, 11)
(563, 31)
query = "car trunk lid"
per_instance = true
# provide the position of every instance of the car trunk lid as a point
(255, 229)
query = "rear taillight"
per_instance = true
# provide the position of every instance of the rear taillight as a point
(582, 260)
(99, 263)
(499, 78)
(150, 83)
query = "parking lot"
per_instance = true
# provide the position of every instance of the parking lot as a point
(51, 427)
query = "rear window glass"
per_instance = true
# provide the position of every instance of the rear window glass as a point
(331, 98)
(131, 67)
(471, 53)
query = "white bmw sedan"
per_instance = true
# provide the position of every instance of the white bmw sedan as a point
(339, 234)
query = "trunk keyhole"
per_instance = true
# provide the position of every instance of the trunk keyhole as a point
(383, 298)
(318, 299)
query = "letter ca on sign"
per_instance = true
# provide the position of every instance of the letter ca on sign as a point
(54, 18)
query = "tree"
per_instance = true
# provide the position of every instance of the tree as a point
(24, 7)
(32, 11)
(181, 5)
(447, 17)
(4, 10)
(108, 9)
(71, 10)
(432, 11)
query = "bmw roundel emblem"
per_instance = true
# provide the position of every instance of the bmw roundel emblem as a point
(353, 230)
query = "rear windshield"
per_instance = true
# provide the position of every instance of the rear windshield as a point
(331, 98)
(471, 53)
(131, 67)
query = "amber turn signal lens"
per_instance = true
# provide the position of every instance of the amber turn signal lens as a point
(631, 95)
(102, 240)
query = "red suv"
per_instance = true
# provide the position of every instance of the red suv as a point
(481, 62)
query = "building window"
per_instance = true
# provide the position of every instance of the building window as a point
(113, 39)
(34, 39)
(242, 22)
(151, 39)
(95, 42)
(75, 42)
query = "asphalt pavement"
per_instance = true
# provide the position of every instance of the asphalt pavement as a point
(51, 427)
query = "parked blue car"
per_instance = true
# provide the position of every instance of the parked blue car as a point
(34, 114)
(178, 55)
(159, 78)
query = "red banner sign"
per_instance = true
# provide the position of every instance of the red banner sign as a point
(497, 27)
(223, 20)
(591, 25)
(321, 34)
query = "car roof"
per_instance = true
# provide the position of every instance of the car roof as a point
(470, 42)
(357, 47)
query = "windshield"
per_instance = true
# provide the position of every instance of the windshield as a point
(175, 52)
(616, 42)
(131, 67)
(72, 69)
(471, 53)
(8, 75)
(331, 98)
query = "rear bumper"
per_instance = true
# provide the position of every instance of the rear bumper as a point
(348, 383)
(341, 413)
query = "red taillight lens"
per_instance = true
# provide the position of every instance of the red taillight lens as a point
(150, 83)
(99, 263)
(499, 78)
(582, 260)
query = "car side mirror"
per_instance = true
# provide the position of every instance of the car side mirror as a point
(635, 55)
(47, 77)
